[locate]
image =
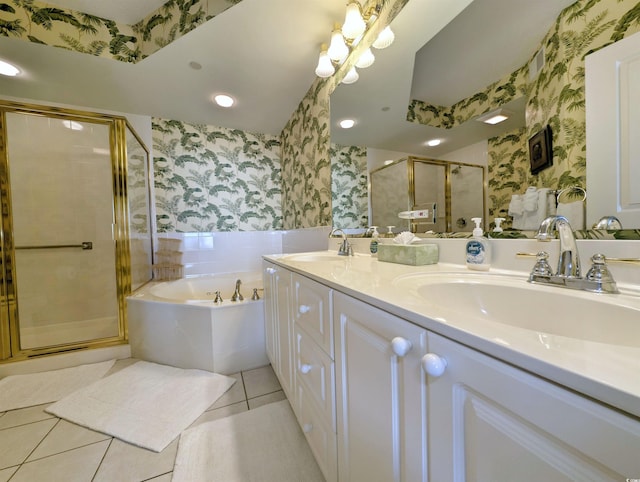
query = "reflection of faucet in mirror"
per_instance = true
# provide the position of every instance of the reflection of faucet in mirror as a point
(608, 222)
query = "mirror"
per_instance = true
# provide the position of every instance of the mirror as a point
(448, 194)
(378, 100)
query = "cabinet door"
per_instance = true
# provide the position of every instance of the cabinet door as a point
(489, 421)
(312, 311)
(381, 394)
(279, 329)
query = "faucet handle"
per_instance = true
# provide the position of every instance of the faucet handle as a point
(599, 270)
(542, 266)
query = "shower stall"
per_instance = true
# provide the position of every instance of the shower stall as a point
(76, 233)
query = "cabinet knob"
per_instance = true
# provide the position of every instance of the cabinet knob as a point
(305, 368)
(400, 346)
(270, 270)
(304, 309)
(433, 364)
(307, 427)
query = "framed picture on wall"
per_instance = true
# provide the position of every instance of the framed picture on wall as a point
(541, 150)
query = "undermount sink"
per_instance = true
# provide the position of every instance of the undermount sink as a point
(318, 257)
(603, 318)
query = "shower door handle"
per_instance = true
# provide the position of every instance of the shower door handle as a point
(84, 245)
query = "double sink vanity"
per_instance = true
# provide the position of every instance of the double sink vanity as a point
(416, 373)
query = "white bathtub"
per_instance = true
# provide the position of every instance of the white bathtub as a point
(177, 323)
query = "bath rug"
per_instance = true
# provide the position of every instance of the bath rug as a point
(265, 445)
(145, 404)
(20, 391)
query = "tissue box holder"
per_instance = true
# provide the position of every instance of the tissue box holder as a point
(411, 254)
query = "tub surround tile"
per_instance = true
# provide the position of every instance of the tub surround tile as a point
(74, 465)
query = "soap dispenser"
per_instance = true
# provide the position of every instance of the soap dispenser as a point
(373, 245)
(478, 249)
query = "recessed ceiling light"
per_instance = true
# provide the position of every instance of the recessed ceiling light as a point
(434, 142)
(8, 69)
(195, 65)
(388, 161)
(224, 100)
(347, 123)
(494, 117)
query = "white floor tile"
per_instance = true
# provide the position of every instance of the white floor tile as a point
(127, 463)
(17, 443)
(23, 416)
(76, 465)
(260, 381)
(221, 412)
(66, 436)
(162, 478)
(265, 399)
(6, 474)
(234, 395)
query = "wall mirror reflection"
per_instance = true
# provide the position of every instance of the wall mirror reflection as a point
(437, 80)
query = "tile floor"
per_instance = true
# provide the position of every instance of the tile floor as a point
(38, 447)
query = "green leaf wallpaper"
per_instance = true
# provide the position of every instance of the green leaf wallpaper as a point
(349, 186)
(215, 179)
(41, 23)
(555, 97)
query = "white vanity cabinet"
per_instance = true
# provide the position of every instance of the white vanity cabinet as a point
(381, 394)
(279, 324)
(315, 371)
(489, 421)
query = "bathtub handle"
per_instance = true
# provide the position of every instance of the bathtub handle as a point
(304, 309)
(305, 368)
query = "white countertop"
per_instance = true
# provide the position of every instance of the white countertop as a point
(608, 373)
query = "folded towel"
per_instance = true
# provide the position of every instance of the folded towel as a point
(515, 206)
(530, 199)
(574, 212)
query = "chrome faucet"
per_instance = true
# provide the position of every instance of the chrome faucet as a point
(236, 295)
(345, 248)
(598, 278)
(568, 260)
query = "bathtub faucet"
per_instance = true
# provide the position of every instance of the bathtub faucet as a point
(236, 295)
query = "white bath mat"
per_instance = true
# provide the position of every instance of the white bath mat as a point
(265, 445)
(145, 404)
(19, 391)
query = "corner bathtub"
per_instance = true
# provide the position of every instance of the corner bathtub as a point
(177, 323)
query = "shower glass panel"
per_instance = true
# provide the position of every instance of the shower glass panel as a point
(61, 196)
(139, 202)
(430, 188)
(390, 196)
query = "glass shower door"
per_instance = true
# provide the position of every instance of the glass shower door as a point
(61, 203)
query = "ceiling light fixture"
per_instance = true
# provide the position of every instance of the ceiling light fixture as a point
(325, 68)
(494, 117)
(8, 69)
(351, 77)
(366, 59)
(224, 100)
(343, 40)
(347, 123)
(385, 38)
(354, 25)
(338, 49)
(433, 142)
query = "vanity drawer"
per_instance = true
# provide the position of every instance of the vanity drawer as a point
(312, 310)
(320, 436)
(316, 371)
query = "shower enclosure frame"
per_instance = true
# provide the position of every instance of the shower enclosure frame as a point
(10, 348)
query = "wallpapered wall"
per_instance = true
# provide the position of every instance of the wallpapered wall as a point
(42, 23)
(306, 166)
(215, 179)
(349, 186)
(555, 97)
